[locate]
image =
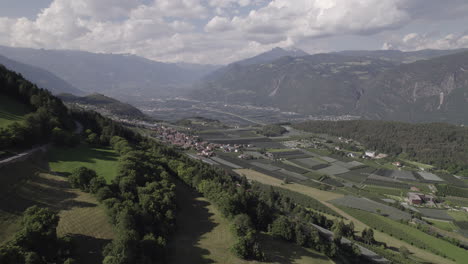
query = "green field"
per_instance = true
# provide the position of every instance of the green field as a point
(458, 216)
(410, 235)
(11, 111)
(389, 191)
(204, 236)
(80, 214)
(102, 160)
(444, 225)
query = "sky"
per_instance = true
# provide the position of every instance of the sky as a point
(223, 31)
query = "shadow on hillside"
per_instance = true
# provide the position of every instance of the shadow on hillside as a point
(193, 221)
(82, 153)
(278, 251)
(43, 192)
(86, 249)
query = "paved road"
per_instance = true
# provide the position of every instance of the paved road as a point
(25, 154)
(364, 251)
(22, 155)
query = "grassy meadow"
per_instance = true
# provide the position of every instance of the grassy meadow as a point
(25, 184)
(11, 111)
(102, 160)
(204, 236)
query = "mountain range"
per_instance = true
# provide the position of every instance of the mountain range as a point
(118, 75)
(423, 86)
(418, 86)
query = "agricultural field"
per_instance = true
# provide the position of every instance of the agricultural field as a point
(204, 236)
(430, 176)
(388, 191)
(444, 225)
(435, 213)
(11, 111)
(410, 235)
(371, 206)
(269, 180)
(333, 170)
(357, 175)
(80, 214)
(308, 163)
(102, 160)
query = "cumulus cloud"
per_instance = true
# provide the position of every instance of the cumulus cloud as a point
(217, 31)
(416, 41)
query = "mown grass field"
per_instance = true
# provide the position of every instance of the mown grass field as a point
(80, 214)
(458, 215)
(410, 235)
(102, 160)
(11, 111)
(204, 236)
(444, 225)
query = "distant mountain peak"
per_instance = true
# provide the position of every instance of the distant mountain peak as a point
(272, 55)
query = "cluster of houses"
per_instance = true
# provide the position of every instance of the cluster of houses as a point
(185, 141)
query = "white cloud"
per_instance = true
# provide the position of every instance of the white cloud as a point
(218, 24)
(218, 31)
(416, 41)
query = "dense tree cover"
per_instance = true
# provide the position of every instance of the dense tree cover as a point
(49, 118)
(272, 130)
(140, 203)
(442, 145)
(37, 241)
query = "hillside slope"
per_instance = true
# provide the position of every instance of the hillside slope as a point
(316, 84)
(116, 75)
(434, 90)
(428, 90)
(100, 101)
(41, 77)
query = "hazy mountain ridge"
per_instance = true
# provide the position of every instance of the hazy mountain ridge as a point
(42, 78)
(321, 83)
(116, 75)
(430, 89)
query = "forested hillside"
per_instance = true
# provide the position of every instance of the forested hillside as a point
(49, 118)
(442, 145)
(105, 103)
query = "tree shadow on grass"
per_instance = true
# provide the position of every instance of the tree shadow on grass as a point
(43, 192)
(86, 249)
(82, 153)
(193, 221)
(279, 251)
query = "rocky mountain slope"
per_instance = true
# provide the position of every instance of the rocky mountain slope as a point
(371, 86)
(423, 91)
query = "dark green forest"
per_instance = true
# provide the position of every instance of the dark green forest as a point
(442, 145)
(49, 118)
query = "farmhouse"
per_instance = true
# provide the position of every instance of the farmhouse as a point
(414, 198)
(370, 154)
(419, 198)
